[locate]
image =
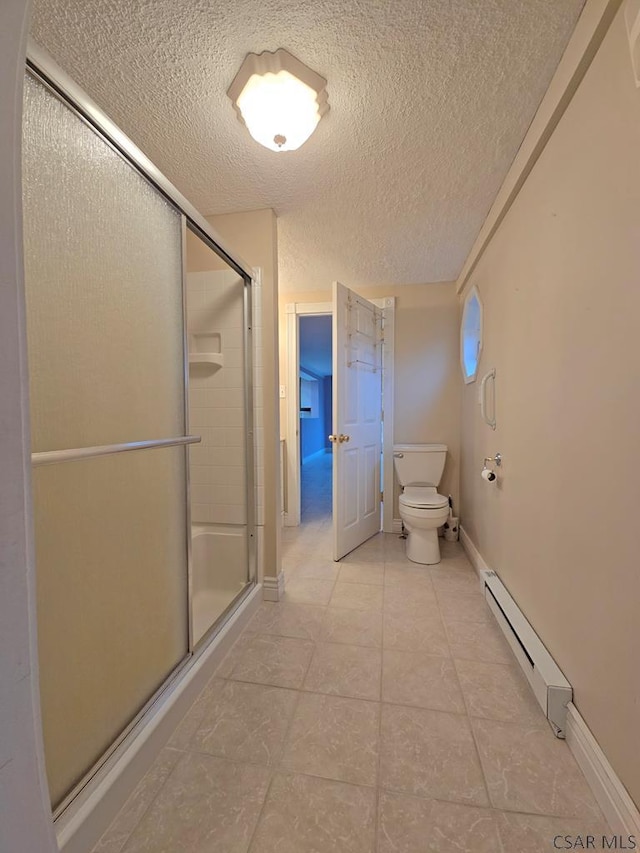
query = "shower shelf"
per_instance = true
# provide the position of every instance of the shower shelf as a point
(215, 359)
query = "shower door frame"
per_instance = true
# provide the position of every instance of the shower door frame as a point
(45, 70)
(251, 577)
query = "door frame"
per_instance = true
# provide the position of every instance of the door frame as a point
(294, 311)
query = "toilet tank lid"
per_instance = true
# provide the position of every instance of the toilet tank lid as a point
(420, 448)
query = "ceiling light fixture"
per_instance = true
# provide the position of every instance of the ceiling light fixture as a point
(279, 99)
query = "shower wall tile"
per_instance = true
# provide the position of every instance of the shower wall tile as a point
(226, 457)
(235, 494)
(232, 376)
(199, 494)
(234, 357)
(216, 401)
(233, 437)
(201, 513)
(199, 475)
(235, 418)
(197, 455)
(198, 397)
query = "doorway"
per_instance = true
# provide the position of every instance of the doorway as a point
(295, 313)
(316, 393)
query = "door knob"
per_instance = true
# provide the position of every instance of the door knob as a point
(342, 438)
(333, 439)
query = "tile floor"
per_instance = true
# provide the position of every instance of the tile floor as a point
(377, 709)
(316, 488)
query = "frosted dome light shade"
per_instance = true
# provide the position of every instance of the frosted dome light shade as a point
(279, 107)
(279, 99)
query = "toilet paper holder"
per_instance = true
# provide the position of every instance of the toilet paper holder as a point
(497, 459)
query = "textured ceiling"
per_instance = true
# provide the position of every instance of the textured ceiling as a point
(429, 99)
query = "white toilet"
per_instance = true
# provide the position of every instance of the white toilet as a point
(419, 470)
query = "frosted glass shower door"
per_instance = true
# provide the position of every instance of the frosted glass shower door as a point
(103, 270)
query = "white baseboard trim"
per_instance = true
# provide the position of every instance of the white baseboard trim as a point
(617, 806)
(259, 552)
(273, 588)
(80, 827)
(475, 557)
(397, 525)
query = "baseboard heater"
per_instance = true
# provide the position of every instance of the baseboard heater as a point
(550, 687)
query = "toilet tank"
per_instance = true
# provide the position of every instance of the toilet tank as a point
(419, 463)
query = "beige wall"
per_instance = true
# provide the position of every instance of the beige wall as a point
(253, 235)
(427, 372)
(559, 282)
(200, 258)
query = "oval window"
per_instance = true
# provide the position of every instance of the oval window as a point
(471, 335)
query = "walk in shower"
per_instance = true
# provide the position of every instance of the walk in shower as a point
(139, 348)
(218, 383)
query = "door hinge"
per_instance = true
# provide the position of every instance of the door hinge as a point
(381, 497)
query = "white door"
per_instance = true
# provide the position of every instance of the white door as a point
(357, 419)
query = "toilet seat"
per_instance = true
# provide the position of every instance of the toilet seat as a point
(423, 497)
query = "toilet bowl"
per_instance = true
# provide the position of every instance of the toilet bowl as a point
(423, 511)
(419, 469)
